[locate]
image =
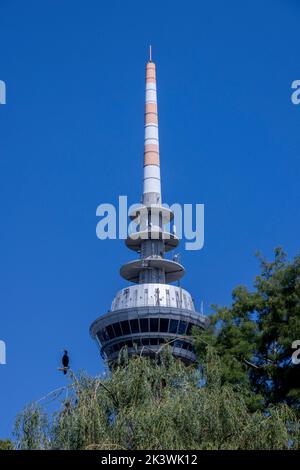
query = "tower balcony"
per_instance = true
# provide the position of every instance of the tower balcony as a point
(143, 212)
(172, 270)
(135, 239)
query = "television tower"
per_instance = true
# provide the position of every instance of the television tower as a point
(152, 312)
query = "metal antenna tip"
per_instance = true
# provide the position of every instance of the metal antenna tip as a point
(150, 53)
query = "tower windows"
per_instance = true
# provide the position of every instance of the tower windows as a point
(129, 343)
(100, 337)
(144, 325)
(187, 346)
(110, 331)
(153, 324)
(105, 334)
(117, 329)
(136, 343)
(153, 341)
(178, 343)
(134, 324)
(181, 327)
(189, 329)
(109, 350)
(164, 324)
(173, 326)
(158, 329)
(125, 327)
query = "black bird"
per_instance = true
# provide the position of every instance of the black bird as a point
(65, 361)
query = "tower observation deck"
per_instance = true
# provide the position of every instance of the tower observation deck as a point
(152, 311)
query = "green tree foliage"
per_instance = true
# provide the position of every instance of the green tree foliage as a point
(245, 394)
(32, 424)
(253, 338)
(157, 404)
(6, 444)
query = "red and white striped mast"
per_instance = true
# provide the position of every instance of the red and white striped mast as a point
(152, 186)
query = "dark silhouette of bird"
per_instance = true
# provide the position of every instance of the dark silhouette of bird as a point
(65, 361)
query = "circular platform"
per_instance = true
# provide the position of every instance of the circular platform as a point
(166, 213)
(135, 239)
(173, 271)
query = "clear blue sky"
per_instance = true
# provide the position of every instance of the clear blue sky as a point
(71, 137)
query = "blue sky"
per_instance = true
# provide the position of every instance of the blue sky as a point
(71, 137)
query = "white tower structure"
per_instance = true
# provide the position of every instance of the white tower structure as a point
(152, 311)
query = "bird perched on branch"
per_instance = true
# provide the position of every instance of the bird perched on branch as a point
(65, 361)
